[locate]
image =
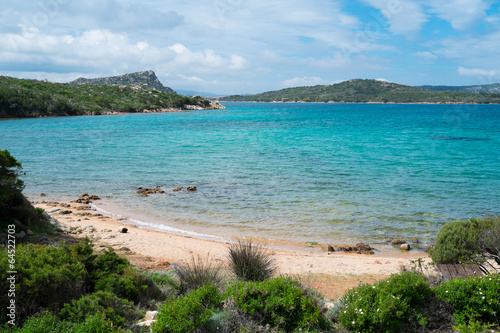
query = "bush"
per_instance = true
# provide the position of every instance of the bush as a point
(466, 240)
(250, 262)
(114, 309)
(131, 285)
(392, 305)
(280, 302)
(108, 263)
(48, 323)
(188, 313)
(473, 299)
(456, 241)
(168, 286)
(47, 277)
(197, 274)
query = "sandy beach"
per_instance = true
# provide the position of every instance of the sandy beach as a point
(329, 273)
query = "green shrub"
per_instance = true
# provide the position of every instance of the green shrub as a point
(250, 262)
(466, 240)
(188, 313)
(392, 305)
(121, 286)
(280, 302)
(47, 277)
(167, 285)
(48, 323)
(114, 309)
(107, 263)
(474, 298)
(456, 241)
(198, 273)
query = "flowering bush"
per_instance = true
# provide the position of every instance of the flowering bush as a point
(386, 306)
(475, 298)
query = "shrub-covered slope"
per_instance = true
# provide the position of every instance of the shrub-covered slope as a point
(364, 91)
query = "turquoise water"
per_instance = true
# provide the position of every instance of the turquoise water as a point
(300, 172)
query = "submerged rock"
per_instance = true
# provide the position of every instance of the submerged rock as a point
(147, 191)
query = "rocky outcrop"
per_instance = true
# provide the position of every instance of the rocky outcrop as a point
(85, 198)
(359, 248)
(144, 80)
(147, 191)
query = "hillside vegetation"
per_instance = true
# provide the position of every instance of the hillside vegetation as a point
(364, 91)
(32, 98)
(476, 89)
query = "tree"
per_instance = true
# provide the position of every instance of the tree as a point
(10, 169)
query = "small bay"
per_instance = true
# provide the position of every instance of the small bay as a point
(296, 172)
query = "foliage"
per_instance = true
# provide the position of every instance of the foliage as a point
(392, 305)
(364, 91)
(168, 286)
(48, 323)
(131, 285)
(188, 313)
(198, 273)
(108, 263)
(115, 309)
(47, 277)
(29, 98)
(279, 302)
(473, 299)
(10, 169)
(250, 262)
(465, 240)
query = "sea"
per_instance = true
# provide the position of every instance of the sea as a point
(293, 172)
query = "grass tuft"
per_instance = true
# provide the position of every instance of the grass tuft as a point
(199, 273)
(251, 262)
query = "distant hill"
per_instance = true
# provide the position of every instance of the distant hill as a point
(485, 88)
(365, 91)
(197, 93)
(146, 79)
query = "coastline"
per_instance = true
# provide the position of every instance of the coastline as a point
(329, 273)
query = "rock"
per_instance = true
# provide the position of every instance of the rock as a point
(65, 205)
(151, 315)
(415, 240)
(83, 208)
(360, 248)
(330, 248)
(21, 235)
(65, 212)
(405, 247)
(147, 191)
(191, 189)
(398, 242)
(43, 194)
(145, 323)
(177, 189)
(122, 230)
(85, 198)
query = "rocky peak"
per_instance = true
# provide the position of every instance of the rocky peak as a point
(145, 79)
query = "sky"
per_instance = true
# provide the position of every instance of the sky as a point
(251, 46)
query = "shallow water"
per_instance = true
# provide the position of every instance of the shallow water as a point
(299, 172)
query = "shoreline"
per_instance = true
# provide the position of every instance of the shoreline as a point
(330, 273)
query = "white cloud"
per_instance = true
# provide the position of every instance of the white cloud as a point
(426, 55)
(477, 72)
(304, 81)
(105, 51)
(462, 14)
(405, 17)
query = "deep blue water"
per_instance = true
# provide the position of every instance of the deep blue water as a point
(302, 172)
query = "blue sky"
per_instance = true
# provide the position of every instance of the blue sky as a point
(251, 46)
